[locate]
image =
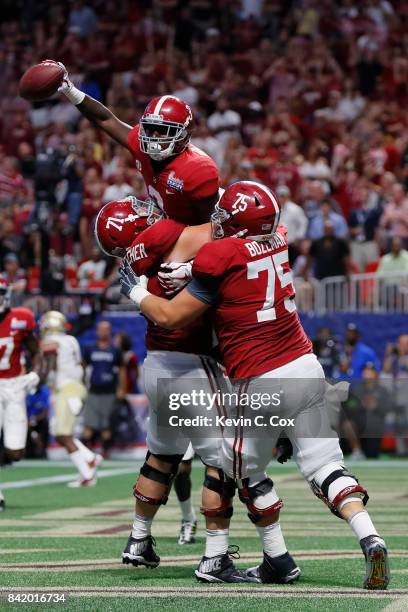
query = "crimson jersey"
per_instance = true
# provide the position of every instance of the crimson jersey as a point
(256, 321)
(178, 186)
(16, 325)
(145, 256)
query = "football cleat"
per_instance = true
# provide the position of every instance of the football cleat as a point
(221, 569)
(141, 552)
(2, 504)
(188, 531)
(82, 482)
(275, 570)
(96, 462)
(377, 567)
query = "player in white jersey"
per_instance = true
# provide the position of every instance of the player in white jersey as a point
(65, 378)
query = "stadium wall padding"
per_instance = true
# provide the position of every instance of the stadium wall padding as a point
(376, 329)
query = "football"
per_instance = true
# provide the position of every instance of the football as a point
(41, 81)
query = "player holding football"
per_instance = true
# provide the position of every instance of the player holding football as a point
(173, 355)
(16, 335)
(245, 276)
(62, 356)
(181, 179)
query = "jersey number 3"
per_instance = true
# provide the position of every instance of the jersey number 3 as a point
(273, 264)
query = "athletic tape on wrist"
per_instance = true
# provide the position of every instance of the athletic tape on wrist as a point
(138, 294)
(74, 95)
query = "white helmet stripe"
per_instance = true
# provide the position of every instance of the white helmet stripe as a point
(160, 104)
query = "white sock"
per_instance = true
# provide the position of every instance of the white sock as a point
(86, 452)
(187, 511)
(362, 525)
(216, 542)
(1, 495)
(272, 539)
(80, 462)
(142, 526)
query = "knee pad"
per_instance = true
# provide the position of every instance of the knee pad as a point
(152, 473)
(333, 484)
(182, 486)
(225, 487)
(260, 497)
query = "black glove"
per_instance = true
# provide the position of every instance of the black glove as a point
(283, 449)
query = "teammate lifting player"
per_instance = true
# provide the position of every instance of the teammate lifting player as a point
(245, 276)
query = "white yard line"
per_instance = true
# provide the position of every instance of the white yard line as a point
(37, 482)
(210, 591)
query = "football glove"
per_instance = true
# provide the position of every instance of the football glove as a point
(67, 87)
(174, 276)
(283, 450)
(132, 286)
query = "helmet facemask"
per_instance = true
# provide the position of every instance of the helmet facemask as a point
(163, 146)
(142, 209)
(218, 217)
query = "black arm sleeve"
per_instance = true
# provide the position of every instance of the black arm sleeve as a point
(204, 291)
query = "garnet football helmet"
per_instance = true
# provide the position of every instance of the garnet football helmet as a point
(246, 210)
(118, 223)
(5, 295)
(165, 127)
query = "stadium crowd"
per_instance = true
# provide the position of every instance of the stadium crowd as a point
(308, 97)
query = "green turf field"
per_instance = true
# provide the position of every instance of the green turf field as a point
(59, 540)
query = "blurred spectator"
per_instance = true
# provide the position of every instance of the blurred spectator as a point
(224, 122)
(324, 215)
(364, 414)
(130, 361)
(203, 139)
(82, 19)
(91, 273)
(394, 263)
(329, 255)
(14, 275)
(262, 155)
(395, 368)
(294, 219)
(394, 219)
(326, 349)
(363, 225)
(12, 185)
(107, 383)
(119, 190)
(356, 355)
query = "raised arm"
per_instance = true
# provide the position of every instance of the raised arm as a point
(96, 112)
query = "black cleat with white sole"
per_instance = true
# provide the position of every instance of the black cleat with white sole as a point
(377, 568)
(2, 504)
(275, 570)
(221, 568)
(141, 552)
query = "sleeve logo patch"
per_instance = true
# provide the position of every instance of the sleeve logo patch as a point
(18, 324)
(175, 183)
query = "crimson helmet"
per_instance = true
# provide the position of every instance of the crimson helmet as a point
(165, 127)
(5, 294)
(118, 223)
(248, 210)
